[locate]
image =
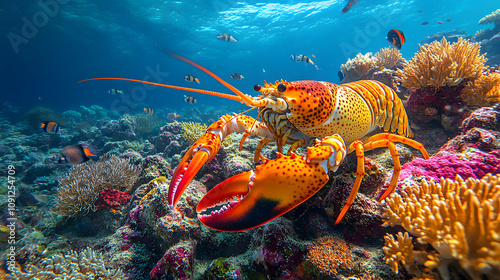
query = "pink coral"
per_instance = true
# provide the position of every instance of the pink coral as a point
(476, 165)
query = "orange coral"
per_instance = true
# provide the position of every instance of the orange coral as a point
(484, 91)
(329, 254)
(440, 64)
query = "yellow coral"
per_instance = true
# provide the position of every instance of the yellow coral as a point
(86, 265)
(193, 131)
(79, 189)
(398, 250)
(388, 58)
(442, 64)
(460, 219)
(491, 18)
(329, 254)
(482, 92)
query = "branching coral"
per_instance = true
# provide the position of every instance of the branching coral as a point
(79, 190)
(491, 18)
(459, 219)
(329, 254)
(85, 265)
(442, 64)
(388, 58)
(355, 68)
(482, 92)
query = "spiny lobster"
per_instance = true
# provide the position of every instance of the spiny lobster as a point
(330, 120)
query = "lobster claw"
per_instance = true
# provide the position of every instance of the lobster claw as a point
(205, 148)
(253, 198)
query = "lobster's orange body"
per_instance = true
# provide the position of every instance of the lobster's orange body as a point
(330, 120)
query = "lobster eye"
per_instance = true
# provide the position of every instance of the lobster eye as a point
(257, 87)
(281, 88)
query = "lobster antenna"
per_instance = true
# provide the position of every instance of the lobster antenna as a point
(247, 99)
(219, 94)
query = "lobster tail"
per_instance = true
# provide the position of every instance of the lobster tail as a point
(386, 108)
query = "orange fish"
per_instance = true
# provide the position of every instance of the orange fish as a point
(440, 22)
(172, 116)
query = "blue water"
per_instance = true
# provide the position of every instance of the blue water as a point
(78, 39)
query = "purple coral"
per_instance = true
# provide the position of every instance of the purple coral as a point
(177, 262)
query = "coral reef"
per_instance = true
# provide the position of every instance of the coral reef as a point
(193, 131)
(86, 265)
(494, 17)
(380, 67)
(457, 218)
(80, 188)
(442, 64)
(358, 68)
(482, 92)
(389, 58)
(177, 262)
(330, 254)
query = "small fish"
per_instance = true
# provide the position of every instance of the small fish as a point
(349, 5)
(189, 99)
(420, 11)
(226, 37)
(115, 91)
(263, 70)
(236, 76)
(296, 58)
(75, 154)
(341, 75)
(28, 199)
(396, 38)
(306, 59)
(148, 110)
(49, 126)
(440, 22)
(425, 23)
(191, 78)
(172, 116)
(448, 19)
(313, 56)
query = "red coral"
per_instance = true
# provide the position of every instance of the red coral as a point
(112, 199)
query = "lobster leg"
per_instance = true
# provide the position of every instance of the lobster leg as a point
(207, 146)
(377, 141)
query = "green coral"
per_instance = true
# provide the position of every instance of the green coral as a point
(146, 123)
